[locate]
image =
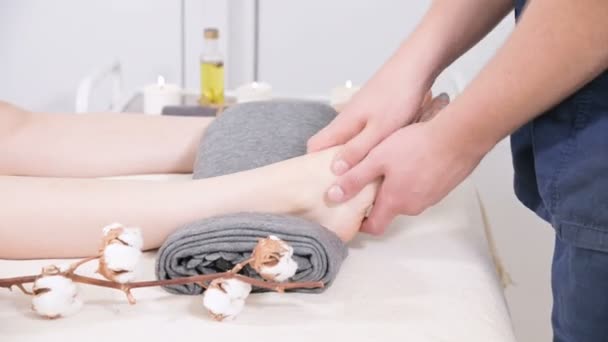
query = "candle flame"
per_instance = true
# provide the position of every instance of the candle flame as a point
(160, 81)
(349, 84)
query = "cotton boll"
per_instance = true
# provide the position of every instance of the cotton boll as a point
(225, 298)
(121, 258)
(273, 259)
(120, 253)
(53, 306)
(56, 283)
(282, 271)
(119, 262)
(55, 296)
(132, 237)
(236, 289)
(221, 306)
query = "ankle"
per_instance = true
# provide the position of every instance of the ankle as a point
(314, 177)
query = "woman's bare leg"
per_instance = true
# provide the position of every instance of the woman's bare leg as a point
(93, 145)
(47, 217)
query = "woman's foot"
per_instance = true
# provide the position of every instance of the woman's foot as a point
(316, 178)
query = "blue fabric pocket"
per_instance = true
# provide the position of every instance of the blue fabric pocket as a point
(570, 145)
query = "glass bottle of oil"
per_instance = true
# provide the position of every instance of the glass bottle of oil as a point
(212, 70)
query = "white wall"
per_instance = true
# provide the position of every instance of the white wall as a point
(48, 46)
(311, 46)
(307, 47)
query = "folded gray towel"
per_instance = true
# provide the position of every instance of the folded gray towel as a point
(244, 137)
(218, 243)
(189, 111)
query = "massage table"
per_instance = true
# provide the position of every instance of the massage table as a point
(429, 278)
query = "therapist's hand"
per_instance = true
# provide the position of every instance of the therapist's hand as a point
(390, 100)
(420, 163)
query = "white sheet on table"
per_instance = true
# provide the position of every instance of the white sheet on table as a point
(431, 278)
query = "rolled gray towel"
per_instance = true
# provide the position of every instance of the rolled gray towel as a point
(244, 137)
(218, 243)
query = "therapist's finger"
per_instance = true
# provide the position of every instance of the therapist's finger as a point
(381, 215)
(434, 107)
(426, 101)
(354, 180)
(357, 148)
(428, 97)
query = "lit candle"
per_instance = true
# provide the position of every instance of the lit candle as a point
(254, 91)
(342, 94)
(159, 95)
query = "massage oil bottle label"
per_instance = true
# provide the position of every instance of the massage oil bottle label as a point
(212, 83)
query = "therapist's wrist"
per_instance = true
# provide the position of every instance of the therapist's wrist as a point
(410, 66)
(420, 56)
(472, 138)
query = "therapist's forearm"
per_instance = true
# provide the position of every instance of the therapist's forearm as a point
(449, 29)
(559, 46)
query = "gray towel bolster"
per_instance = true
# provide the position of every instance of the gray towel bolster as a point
(218, 243)
(256, 134)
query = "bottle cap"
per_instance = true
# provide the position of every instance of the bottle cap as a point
(211, 33)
